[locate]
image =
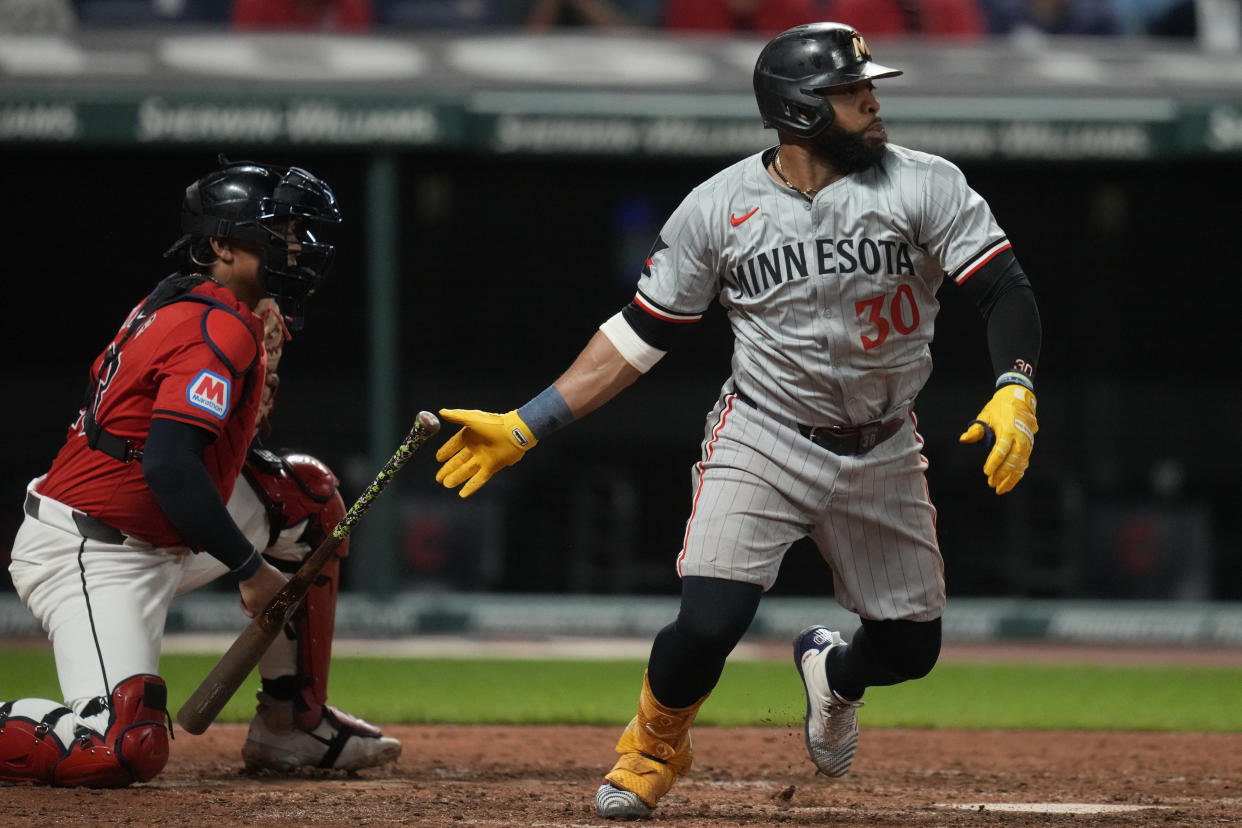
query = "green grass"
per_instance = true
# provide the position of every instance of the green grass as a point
(960, 695)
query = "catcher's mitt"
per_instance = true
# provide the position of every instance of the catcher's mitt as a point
(275, 335)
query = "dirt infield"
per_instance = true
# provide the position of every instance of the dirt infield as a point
(546, 776)
(746, 777)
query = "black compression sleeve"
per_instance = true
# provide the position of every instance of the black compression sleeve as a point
(172, 463)
(1014, 332)
(1004, 297)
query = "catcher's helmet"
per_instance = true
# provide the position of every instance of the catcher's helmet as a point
(286, 211)
(800, 62)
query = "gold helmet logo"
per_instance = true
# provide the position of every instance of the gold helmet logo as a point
(860, 47)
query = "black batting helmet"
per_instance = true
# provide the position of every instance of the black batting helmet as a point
(799, 63)
(285, 211)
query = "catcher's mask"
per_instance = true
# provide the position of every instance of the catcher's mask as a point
(797, 65)
(286, 212)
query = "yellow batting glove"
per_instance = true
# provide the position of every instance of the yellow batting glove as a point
(484, 445)
(1008, 421)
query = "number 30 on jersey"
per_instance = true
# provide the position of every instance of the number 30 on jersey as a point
(899, 312)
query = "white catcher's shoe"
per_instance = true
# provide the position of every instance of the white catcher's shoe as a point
(831, 721)
(340, 741)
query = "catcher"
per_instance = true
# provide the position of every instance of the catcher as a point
(133, 510)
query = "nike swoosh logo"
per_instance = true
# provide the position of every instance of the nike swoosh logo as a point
(735, 221)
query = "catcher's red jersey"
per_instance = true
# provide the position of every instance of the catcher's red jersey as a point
(194, 363)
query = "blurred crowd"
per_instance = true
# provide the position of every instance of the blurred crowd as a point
(875, 18)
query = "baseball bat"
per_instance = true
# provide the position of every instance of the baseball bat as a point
(209, 698)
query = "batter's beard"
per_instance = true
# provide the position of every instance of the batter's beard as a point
(849, 152)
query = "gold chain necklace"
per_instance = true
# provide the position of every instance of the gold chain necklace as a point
(780, 172)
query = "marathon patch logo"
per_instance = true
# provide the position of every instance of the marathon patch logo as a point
(210, 392)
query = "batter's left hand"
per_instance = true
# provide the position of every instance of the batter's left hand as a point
(1009, 417)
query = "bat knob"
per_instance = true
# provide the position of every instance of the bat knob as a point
(430, 422)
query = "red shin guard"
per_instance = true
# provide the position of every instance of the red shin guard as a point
(302, 488)
(29, 746)
(135, 746)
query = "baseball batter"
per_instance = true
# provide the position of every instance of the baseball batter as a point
(133, 510)
(827, 252)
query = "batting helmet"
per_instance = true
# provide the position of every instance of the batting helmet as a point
(286, 211)
(799, 63)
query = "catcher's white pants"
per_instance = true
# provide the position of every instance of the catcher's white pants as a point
(103, 605)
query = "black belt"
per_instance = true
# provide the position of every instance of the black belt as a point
(858, 439)
(845, 440)
(88, 527)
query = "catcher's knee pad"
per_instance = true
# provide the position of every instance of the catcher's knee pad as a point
(655, 747)
(33, 734)
(134, 748)
(304, 505)
(299, 492)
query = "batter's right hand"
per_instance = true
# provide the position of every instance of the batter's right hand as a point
(484, 445)
(259, 588)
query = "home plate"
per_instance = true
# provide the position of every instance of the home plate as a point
(1048, 807)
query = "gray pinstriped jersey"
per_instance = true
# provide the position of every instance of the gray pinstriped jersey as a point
(832, 301)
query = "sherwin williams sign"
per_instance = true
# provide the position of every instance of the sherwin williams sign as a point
(643, 95)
